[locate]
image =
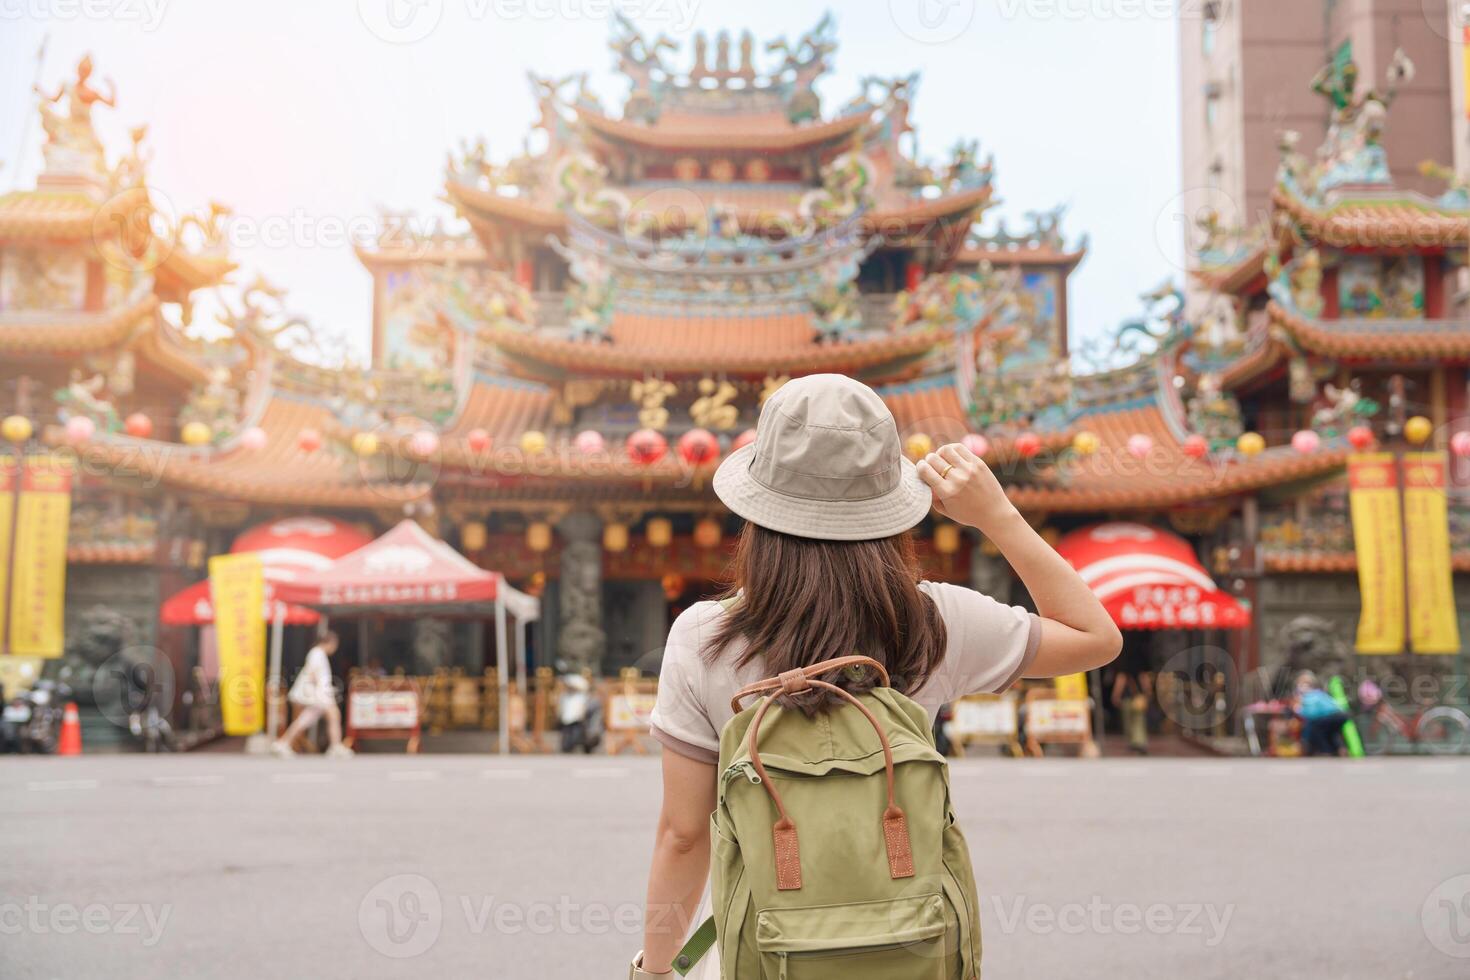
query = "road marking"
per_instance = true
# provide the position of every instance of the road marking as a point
(505, 774)
(413, 775)
(44, 785)
(303, 777)
(186, 780)
(599, 773)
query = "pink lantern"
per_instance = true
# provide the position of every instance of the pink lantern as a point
(1028, 444)
(589, 442)
(646, 447)
(744, 439)
(1460, 443)
(254, 439)
(80, 429)
(1306, 441)
(477, 440)
(309, 440)
(423, 443)
(1140, 445)
(976, 443)
(1195, 446)
(698, 446)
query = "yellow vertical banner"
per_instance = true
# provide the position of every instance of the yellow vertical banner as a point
(38, 570)
(8, 474)
(1434, 626)
(1378, 539)
(237, 588)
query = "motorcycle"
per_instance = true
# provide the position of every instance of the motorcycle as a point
(31, 721)
(579, 713)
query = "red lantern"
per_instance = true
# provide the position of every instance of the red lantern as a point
(138, 425)
(698, 446)
(744, 439)
(1360, 436)
(477, 440)
(309, 441)
(646, 447)
(1195, 446)
(1028, 444)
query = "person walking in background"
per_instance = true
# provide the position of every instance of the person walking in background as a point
(315, 695)
(1132, 692)
(1322, 719)
(825, 568)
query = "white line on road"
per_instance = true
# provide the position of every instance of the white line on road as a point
(599, 773)
(62, 784)
(205, 780)
(505, 774)
(303, 777)
(413, 775)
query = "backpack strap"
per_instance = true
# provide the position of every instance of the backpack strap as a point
(783, 831)
(794, 681)
(699, 944)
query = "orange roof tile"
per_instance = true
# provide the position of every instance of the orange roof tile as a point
(1395, 223)
(110, 554)
(734, 131)
(1112, 478)
(475, 203)
(695, 345)
(281, 473)
(46, 214)
(72, 332)
(1019, 255)
(1367, 340)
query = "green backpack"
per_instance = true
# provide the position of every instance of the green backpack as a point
(835, 853)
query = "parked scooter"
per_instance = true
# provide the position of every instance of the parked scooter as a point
(579, 713)
(31, 721)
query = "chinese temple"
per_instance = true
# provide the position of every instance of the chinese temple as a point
(558, 368)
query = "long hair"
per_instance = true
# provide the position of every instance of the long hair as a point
(799, 601)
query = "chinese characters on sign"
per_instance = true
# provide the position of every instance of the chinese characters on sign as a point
(237, 588)
(38, 576)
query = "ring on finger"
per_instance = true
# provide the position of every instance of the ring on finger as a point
(948, 466)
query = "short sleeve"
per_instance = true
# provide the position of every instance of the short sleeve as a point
(989, 646)
(680, 721)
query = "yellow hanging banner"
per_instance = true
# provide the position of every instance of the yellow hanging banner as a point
(1378, 538)
(237, 589)
(8, 474)
(38, 572)
(1434, 626)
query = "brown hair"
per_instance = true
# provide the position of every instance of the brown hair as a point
(804, 600)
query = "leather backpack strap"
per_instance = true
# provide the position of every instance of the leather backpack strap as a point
(787, 682)
(783, 831)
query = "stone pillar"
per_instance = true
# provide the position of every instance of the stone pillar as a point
(991, 575)
(580, 640)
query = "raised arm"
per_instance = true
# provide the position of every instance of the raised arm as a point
(1077, 634)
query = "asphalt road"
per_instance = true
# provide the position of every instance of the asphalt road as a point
(208, 866)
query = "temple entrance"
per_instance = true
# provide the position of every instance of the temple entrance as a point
(635, 617)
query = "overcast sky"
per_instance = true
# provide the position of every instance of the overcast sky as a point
(304, 117)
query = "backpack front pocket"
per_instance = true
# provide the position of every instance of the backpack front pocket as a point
(898, 939)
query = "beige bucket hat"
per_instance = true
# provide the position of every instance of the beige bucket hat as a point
(826, 463)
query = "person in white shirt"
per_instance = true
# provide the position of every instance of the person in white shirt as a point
(314, 694)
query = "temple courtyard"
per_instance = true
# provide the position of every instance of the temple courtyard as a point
(214, 865)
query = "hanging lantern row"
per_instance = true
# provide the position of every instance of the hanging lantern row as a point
(538, 536)
(17, 428)
(615, 537)
(1085, 443)
(946, 538)
(1418, 430)
(708, 533)
(472, 536)
(1140, 445)
(1460, 443)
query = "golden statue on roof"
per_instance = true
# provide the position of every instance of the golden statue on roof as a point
(72, 146)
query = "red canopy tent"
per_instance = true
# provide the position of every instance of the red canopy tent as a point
(288, 548)
(407, 571)
(1148, 578)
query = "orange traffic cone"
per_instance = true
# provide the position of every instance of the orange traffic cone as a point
(70, 742)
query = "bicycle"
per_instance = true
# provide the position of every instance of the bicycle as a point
(1437, 730)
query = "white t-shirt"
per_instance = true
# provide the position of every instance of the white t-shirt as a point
(313, 687)
(989, 647)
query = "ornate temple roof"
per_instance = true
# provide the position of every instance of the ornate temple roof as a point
(759, 132)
